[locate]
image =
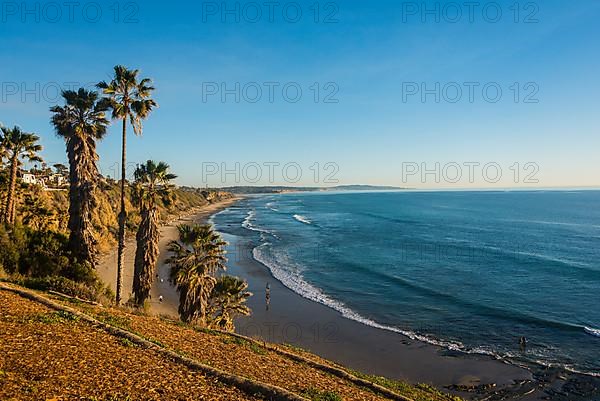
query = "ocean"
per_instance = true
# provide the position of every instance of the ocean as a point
(470, 271)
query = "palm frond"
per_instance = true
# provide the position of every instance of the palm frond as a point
(195, 259)
(127, 98)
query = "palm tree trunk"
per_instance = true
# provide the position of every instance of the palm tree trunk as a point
(9, 212)
(146, 254)
(122, 216)
(81, 203)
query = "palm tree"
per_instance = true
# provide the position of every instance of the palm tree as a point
(196, 258)
(81, 122)
(3, 154)
(228, 300)
(18, 146)
(3, 150)
(152, 184)
(129, 100)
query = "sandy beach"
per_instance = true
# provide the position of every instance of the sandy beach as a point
(168, 232)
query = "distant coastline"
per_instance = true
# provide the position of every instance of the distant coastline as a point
(276, 189)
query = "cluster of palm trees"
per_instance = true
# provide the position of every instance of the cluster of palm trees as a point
(197, 258)
(205, 297)
(83, 121)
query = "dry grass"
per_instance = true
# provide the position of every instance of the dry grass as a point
(52, 355)
(247, 359)
(48, 355)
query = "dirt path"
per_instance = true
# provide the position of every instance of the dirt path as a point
(107, 268)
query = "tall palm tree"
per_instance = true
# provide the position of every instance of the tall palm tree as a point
(81, 122)
(195, 259)
(130, 100)
(18, 146)
(227, 300)
(152, 184)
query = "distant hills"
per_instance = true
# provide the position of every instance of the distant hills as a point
(284, 189)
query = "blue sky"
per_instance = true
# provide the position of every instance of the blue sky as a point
(364, 56)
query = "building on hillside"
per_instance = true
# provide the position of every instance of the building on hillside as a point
(55, 180)
(46, 181)
(30, 179)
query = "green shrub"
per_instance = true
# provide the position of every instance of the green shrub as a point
(66, 286)
(30, 252)
(41, 260)
(80, 272)
(12, 242)
(45, 255)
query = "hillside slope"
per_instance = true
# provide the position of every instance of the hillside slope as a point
(49, 355)
(107, 209)
(109, 354)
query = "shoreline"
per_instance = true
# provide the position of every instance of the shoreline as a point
(298, 321)
(324, 331)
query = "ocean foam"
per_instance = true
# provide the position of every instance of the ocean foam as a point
(293, 279)
(302, 219)
(247, 224)
(271, 207)
(594, 332)
(247, 221)
(211, 219)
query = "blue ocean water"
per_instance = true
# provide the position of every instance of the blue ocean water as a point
(472, 271)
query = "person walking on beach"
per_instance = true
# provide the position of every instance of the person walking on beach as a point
(268, 296)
